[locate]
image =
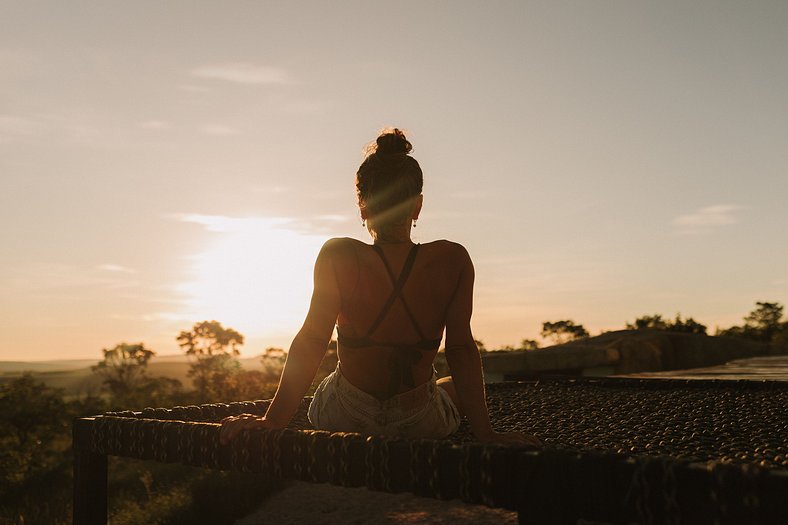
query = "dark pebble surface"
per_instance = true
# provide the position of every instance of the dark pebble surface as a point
(697, 420)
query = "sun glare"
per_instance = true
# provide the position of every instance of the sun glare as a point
(255, 276)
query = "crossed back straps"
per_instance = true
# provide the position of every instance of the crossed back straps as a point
(396, 292)
(407, 355)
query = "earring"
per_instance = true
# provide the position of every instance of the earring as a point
(414, 223)
(363, 223)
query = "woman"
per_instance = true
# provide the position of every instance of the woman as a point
(390, 302)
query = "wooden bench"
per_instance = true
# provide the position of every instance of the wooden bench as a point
(616, 451)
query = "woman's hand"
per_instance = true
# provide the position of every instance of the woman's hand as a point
(510, 438)
(233, 425)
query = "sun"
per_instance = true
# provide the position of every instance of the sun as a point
(255, 275)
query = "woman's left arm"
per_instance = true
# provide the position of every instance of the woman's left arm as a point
(305, 354)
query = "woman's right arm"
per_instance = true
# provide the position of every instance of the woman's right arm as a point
(465, 363)
(306, 351)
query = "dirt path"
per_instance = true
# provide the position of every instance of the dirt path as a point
(322, 504)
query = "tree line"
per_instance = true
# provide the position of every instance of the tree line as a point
(763, 324)
(214, 369)
(35, 427)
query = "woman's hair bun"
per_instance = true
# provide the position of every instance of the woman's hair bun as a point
(392, 141)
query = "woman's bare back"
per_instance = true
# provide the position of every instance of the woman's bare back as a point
(365, 286)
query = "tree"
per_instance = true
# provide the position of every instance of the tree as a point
(214, 349)
(210, 338)
(480, 346)
(253, 384)
(656, 322)
(563, 331)
(161, 392)
(124, 371)
(687, 326)
(765, 320)
(645, 322)
(32, 416)
(529, 344)
(273, 361)
(762, 324)
(781, 337)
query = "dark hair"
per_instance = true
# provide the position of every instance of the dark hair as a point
(388, 180)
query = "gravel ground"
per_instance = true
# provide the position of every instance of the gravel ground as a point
(321, 504)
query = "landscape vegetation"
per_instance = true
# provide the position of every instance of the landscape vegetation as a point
(36, 415)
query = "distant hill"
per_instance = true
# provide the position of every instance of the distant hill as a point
(625, 352)
(75, 376)
(15, 367)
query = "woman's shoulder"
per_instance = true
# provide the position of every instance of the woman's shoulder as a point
(447, 247)
(449, 253)
(441, 249)
(339, 243)
(340, 246)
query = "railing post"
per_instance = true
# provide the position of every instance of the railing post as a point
(540, 497)
(90, 479)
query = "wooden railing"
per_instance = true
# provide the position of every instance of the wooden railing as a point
(558, 484)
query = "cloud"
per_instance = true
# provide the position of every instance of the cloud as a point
(225, 224)
(48, 277)
(707, 218)
(155, 316)
(243, 73)
(116, 268)
(332, 218)
(276, 189)
(194, 89)
(166, 316)
(219, 130)
(85, 127)
(154, 124)
(470, 195)
(12, 126)
(256, 226)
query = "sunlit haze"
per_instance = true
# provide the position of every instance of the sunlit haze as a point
(257, 273)
(163, 163)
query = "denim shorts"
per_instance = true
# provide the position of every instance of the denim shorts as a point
(427, 411)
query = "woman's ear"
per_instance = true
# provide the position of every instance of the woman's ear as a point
(417, 207)
(364, 213)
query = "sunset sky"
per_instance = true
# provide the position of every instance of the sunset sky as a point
(162, 163)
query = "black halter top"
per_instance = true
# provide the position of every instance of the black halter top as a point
(406, 355)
